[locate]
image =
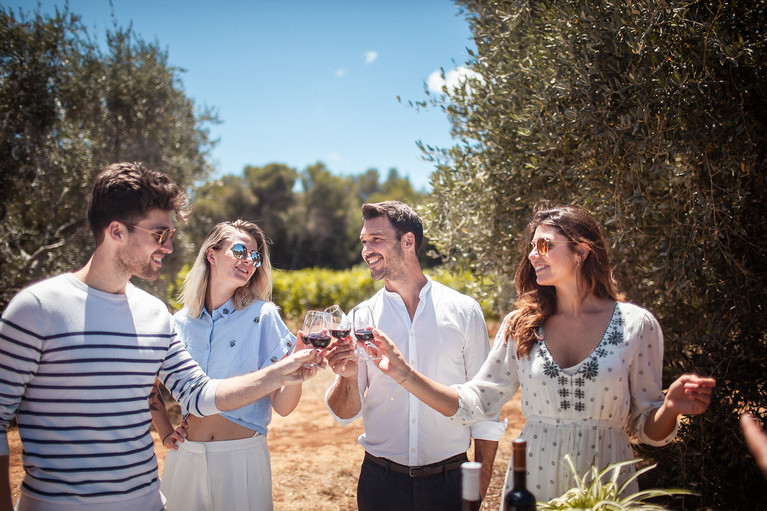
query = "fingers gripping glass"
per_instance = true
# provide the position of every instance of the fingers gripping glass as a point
(241, 252)
(543, 245)
(162, 236)
(362, 318)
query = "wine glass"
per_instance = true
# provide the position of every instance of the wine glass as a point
(362, 318)
(316, 330)
(340, 326)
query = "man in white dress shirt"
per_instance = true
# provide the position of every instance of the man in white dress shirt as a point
(412, 453)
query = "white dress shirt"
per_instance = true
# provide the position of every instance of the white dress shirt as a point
(446, 341)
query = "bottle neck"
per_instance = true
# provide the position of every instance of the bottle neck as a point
(519, 478)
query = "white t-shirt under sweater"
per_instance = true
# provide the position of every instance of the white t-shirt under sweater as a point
(76, 369)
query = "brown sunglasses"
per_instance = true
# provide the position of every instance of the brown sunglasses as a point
(162, 236)
(543, 245)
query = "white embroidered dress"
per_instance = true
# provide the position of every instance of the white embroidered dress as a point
(586, 410)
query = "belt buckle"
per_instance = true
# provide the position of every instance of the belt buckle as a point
(412, 470)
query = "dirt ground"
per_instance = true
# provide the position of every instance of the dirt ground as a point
(315, 462)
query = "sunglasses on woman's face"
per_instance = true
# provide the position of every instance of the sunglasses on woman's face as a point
(543, 245)
(241, 252)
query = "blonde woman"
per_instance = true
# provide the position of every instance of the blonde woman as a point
(229, 327)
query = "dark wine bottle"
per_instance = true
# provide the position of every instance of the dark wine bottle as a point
(470, 499)
(519, 498)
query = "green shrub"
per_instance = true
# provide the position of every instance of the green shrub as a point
(297, 291)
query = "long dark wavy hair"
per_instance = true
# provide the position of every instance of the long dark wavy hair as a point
(536, 303)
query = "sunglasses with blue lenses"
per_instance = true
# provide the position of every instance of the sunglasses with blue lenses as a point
(241, 252)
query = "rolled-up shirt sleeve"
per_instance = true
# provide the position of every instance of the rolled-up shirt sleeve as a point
(475, 354)
(494, 384)
(646, 379)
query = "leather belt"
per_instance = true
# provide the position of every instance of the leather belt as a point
(431, 469)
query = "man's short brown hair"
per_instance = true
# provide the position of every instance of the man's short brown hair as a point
(402, 217)
(126, 192)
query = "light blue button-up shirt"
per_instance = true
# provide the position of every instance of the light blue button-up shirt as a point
(232, 342)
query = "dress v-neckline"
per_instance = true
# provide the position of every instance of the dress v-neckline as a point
(573, 369)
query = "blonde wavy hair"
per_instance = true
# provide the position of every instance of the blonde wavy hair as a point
(259, 287)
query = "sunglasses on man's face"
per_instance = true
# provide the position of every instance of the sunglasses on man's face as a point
(162, 236)
(241, 252)
(543, 245)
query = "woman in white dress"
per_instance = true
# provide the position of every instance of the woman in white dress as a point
(588, 363)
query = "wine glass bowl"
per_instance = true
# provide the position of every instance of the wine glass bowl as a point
(340, 325)
(362, 320)
(316, 330)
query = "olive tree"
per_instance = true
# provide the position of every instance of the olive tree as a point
(653, 115)
(67, 109)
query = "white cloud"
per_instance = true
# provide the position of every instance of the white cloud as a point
(334, 158)
(341, 72)
(370, 57)
(453, 79)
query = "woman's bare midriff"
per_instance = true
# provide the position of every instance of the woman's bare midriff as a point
(215, 428)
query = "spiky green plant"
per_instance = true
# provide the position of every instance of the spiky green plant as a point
(593, 492)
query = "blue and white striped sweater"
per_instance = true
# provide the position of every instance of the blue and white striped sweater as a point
(76, 368)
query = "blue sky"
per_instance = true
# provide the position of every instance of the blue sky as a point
(300, 81)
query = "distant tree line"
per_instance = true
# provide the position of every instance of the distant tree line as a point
(312, 217)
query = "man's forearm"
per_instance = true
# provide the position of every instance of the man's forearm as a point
(344, 398)
(484, 452)
(239, 391)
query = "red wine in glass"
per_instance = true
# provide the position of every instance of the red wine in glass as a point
(316, 331)
(318, 340)
(363, 335)
(362, 319)
(340, 333)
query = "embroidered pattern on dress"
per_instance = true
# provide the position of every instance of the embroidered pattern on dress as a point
(589, 369)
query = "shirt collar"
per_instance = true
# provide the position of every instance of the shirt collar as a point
(225, 310)
(423, 294)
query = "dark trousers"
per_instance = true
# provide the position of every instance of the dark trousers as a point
(382, 489)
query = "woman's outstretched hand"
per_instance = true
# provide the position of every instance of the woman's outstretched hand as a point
(391, 363)
(442, 398)
(690, 394)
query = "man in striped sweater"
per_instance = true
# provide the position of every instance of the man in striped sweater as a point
(79, 353)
